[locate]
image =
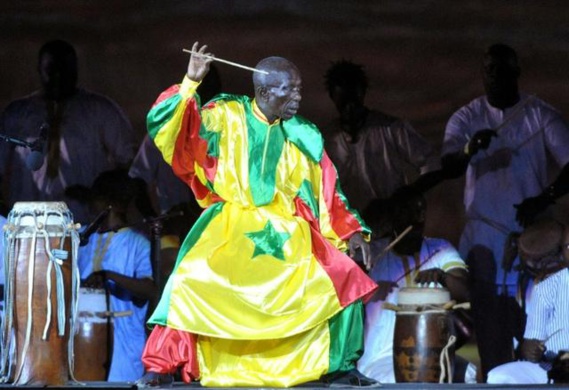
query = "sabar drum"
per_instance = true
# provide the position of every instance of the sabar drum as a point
(423, 330)
(41, 244)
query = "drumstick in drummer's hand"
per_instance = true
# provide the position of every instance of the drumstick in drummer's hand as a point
(391, 245)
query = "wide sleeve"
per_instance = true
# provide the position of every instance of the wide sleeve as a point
(175, 125)
(457, 131)
(337, 221)
(415, 149)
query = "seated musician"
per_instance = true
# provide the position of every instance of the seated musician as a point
(117, 258)
(544, 252)
(413, 261)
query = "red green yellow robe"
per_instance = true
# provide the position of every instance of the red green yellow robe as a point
(261, 281)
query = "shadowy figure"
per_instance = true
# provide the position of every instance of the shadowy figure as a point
(406, 258)
(257, 286)
(73, 135)
(509, 144)
(374, 153)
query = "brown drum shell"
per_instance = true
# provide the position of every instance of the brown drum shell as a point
(418, 341)
(92, 346)
(46, 361)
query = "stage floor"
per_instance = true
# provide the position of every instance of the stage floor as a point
(395, 386)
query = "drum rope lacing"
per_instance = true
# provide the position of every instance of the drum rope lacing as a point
(56, 260)
(445, 361)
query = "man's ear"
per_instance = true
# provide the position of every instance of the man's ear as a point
(262, 93)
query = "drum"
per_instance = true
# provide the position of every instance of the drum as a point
(423, 334)
(41, 288)
(93, 336)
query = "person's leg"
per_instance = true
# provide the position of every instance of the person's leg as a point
(490, 312)
(494, 336)
(165, 351)
(518, 373)
(346, 347)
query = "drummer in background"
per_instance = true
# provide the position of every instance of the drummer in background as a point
(544, 251)
(414, 261)
(118, 258)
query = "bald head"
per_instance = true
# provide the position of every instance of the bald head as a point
(275, 67)
(277, 93)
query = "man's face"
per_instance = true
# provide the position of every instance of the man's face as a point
(284, 95)
(58, 75)
(500, 74)
(348, 99)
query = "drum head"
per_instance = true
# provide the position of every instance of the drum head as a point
(423, 296)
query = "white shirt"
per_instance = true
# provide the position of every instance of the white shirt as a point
(380, 161)
(548, 312)
(96, 136)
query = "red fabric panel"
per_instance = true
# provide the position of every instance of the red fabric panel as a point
(341, 218)
(167, 349)
(350, 282)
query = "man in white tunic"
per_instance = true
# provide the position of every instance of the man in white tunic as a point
(374, 153)
(77, 134)
(512, 146)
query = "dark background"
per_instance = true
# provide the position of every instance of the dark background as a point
(422, 57)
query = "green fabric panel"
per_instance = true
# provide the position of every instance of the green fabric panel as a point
(160, 315)
(212, 139)
(305, 135)
(307, 195)
(160, 114)
(346, 338)
(266, 144)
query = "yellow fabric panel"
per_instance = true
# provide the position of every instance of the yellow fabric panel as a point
(231, 182)
(268, 363)
(165, 139)
(221, 291)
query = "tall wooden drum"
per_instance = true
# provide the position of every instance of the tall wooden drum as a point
(41, 288)
(423, 329)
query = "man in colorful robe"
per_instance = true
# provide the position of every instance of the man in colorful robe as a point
(262, 294)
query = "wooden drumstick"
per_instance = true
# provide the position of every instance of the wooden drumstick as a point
(449, 305)
(226, 62)
(397, 239)
(551, 335)
(114, 314)
(390, 306)
(463, 305)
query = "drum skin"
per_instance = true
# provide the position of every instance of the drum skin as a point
(93, 336)
(418, 342)
(46, 361)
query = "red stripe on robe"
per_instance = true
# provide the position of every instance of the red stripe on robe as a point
(349, 281)
(347, 224)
